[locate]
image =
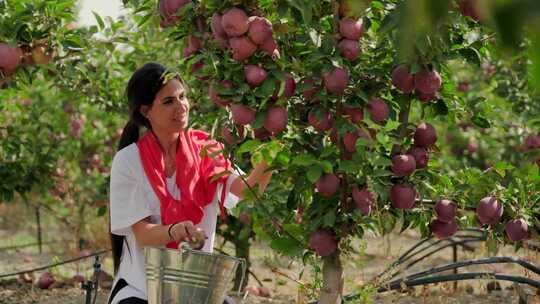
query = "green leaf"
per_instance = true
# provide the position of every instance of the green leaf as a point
(440, 107)
(102, 211)
(349, 167)
(326, 166)
(501, 168)
(287, 246)
(329, 218)
(481, 121)
(294, 229)
(248, 146)
(314, 173)
(471, 55)
(304, 160)
(99, 21)
(391, 125)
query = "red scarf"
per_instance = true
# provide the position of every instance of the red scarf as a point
(194, 175)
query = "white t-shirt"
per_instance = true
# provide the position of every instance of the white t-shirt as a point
(133, 199)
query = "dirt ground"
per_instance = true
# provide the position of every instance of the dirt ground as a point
(374, 255)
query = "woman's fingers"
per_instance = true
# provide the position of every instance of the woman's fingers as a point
(179, 232)
(187, 231)
(191, 230)
(199, 241)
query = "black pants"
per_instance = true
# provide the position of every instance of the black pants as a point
(134, 300)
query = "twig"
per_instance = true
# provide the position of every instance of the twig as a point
(279, 272)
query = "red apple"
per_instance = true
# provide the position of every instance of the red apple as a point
(290, 87)
(442, 229)
(217, 30)
(323, 242)
(276, 119)
(427, 82)
(378, 110)
(403, 164)
(320, 119)
(244, 218)
(254, 75)
(260, 29)
(350, 49)
(312, 90)
(233, 139)
(336, 81)
(242, 48)
(355, 114)
(214, 96)
(403, 79)
(10, 57)
(351, 28)
(426, 98)
(421, 156)
(193, 46)
(531, 142)
(471, 8)
(349, 141)
(261, 134)
(402, 196)
(327, 185)
(264, 292)
(169, 8)
(235, 22)
(269, 46)
(464, 86)
(517, 230)
(364, 199)
(425, 135)
(446, 210)
(46, 280)
(489, 210)
(242, 115)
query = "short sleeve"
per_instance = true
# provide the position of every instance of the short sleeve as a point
(231, 200)
(128, 203)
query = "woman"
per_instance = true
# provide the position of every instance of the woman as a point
(163, 190)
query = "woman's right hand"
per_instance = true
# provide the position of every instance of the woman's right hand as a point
(187, 232)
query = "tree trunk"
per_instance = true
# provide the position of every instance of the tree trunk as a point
(332, 288)
(38, 224)
(242, 251)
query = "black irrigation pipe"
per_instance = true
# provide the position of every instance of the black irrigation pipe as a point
(408, 254)
(100, 252)
(464, 240)
(404, 256)
(492, 260)
(13, 247)
(414, 262)
(398, 284)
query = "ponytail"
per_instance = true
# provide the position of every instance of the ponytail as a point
(129, 135)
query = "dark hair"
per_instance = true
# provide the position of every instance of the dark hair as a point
(142, 88)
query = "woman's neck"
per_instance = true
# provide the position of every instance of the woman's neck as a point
(168, 142)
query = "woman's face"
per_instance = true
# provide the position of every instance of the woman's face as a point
(170, 110)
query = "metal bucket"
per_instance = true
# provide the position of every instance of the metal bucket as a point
(186, 276)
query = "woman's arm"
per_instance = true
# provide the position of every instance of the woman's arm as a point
(148, 234)
(259, 176)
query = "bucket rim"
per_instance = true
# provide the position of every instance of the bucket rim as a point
(195, 252)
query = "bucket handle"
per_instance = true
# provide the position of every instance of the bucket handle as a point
(243, 263)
